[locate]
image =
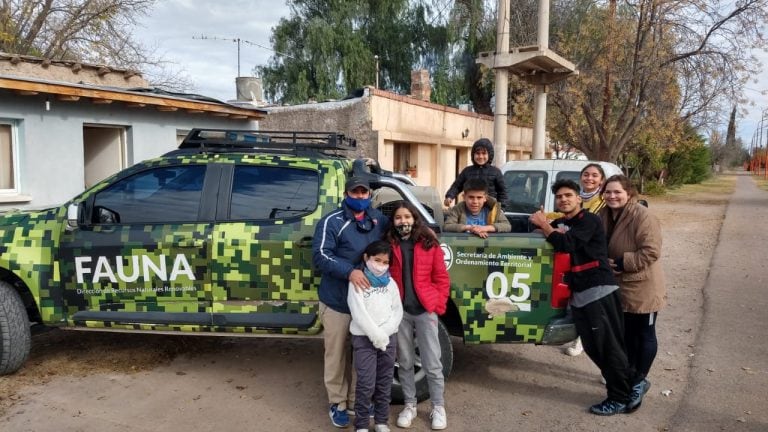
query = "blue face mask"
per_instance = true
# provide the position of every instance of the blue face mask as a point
(357, 204)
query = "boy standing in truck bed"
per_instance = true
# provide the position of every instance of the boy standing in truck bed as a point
(482, 168)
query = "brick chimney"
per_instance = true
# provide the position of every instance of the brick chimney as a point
(420, 87)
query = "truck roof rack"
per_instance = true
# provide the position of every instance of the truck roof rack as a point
(264, 141)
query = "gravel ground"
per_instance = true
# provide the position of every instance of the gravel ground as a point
(114, 382)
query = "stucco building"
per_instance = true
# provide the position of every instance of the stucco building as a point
(406, 134)
(66, 125)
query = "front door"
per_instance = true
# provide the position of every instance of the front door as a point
(142, 259)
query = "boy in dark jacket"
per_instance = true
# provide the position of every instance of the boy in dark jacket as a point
(482, 168)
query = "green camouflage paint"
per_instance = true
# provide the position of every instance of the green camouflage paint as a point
(233, 268)
(503, 266)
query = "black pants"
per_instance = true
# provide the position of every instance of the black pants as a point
(601, 327)
(640, 338)
(375, 370)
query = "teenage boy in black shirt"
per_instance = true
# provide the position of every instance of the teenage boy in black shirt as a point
(595, 302)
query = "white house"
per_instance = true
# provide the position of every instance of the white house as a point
(65, 126)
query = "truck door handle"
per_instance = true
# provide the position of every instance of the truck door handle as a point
(304, 242)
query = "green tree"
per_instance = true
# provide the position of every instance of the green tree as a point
(327, 47)
(689, 161)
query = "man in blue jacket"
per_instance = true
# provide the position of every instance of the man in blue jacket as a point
(337, 248)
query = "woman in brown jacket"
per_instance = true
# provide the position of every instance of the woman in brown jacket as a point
(634, 249)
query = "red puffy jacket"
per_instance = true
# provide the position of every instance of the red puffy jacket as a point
(430, 278)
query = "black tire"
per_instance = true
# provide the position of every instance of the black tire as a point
(15, 334)
(422, 387)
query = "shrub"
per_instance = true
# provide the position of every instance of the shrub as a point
(654, 188)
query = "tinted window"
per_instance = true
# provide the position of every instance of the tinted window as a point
(159, 195)
(526, 190)
(273, 192)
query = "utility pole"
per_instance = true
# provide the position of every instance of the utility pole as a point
(540, 90)
(536, 65)
(501, 86)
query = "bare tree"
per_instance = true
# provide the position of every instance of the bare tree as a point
(664, 63)
(94, 31)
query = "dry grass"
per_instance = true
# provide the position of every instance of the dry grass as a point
(713, 191)
(762, 182)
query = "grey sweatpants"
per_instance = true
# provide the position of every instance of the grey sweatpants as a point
(424, 326)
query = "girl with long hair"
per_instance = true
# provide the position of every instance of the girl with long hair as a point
(419, 270)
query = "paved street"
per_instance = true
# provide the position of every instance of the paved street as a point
(729, 374)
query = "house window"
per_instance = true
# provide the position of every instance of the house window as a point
(403, 157)
(7, 159)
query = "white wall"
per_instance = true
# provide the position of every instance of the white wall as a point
(50, 148)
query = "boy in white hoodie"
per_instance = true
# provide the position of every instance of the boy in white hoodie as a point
(376, 314)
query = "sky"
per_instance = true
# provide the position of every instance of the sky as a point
(175, 27)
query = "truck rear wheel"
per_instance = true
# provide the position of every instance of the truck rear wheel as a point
(422, 387)
(15, 335)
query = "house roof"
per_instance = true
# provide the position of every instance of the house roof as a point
(141, 98)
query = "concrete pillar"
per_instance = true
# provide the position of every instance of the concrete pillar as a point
(501, 87)
(540, 92)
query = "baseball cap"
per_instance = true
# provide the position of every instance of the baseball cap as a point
(355, 182)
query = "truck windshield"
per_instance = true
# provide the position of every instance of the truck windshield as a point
(526, 190)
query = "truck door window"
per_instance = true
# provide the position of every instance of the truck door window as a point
(260, 192)
(164, 195)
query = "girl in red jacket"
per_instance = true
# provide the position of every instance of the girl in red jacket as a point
(419, 270)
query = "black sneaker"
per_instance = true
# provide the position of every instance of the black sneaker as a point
(636, 397)
(608, 407)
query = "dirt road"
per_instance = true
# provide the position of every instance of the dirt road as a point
(125, 382)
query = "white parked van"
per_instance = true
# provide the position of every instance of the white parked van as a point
(529, 182)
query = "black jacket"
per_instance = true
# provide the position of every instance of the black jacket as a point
(487, 172)
(584, 239)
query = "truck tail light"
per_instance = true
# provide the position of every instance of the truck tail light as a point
(560, 290)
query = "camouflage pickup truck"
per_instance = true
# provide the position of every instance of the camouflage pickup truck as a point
(215, 238)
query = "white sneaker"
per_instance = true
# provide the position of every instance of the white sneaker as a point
(406, 416)
(361, 430)
(574, 348)
(439, 419)
(381, 428)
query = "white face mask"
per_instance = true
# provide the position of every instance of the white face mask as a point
(376, 268)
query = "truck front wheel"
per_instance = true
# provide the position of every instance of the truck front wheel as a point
(422, 387)
(15, 335)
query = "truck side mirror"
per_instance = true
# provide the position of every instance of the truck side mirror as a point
(73, 215)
